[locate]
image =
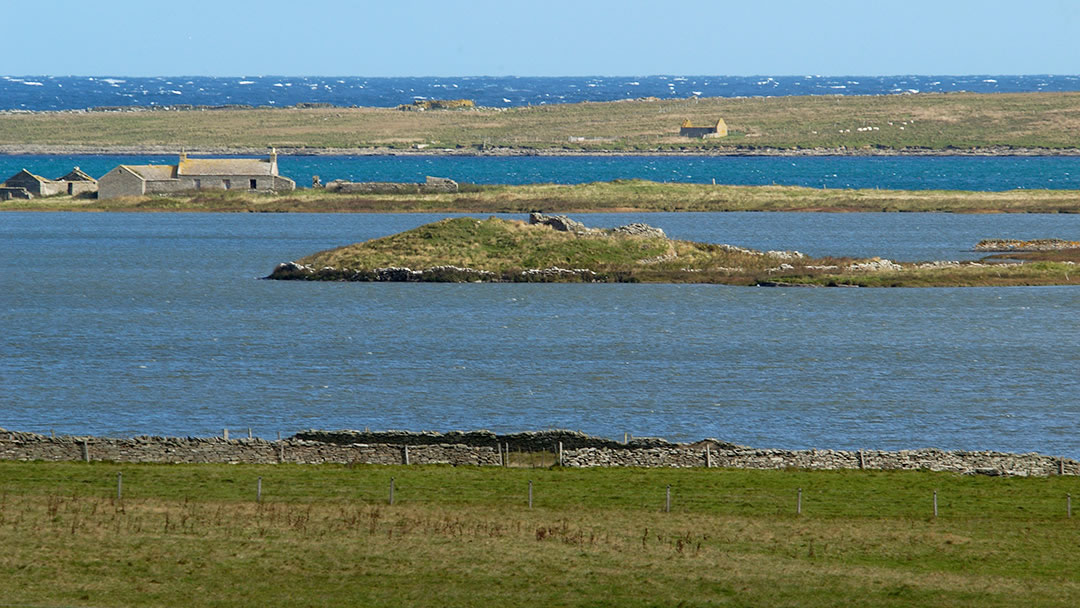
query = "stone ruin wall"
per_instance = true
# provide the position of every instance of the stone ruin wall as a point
(483, 448)
(431, 185)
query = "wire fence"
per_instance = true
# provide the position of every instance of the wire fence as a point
(684, 491)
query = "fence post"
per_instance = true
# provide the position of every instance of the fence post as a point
(258, 490)
(406, 455)
(249, 432)
(708, 457)
(119, 486)
(85, 451)
(667, 500)
(935, 503)
(1061, 466)
(279, 435)
(530, 493)
(862, 461)
(391, 490)
(225, 434)
(560, 454)
(625, 437)
(798, 503)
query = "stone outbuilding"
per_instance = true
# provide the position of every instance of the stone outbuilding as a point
(26, 185)
(689, 129)
(251, 174)
(78, 182)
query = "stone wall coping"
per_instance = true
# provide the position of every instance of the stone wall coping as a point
(479, 447)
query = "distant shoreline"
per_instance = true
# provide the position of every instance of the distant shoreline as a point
(72, 150)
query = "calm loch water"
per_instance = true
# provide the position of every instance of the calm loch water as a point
(155, 323)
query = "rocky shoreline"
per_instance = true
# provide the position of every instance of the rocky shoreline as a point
(524, 254)
(485, 448)
(67, 150)
(1017, 245)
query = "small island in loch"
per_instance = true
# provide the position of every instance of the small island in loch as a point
(555, 248)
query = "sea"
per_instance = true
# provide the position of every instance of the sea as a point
(127, 323)
(983, 173)
(38, 93)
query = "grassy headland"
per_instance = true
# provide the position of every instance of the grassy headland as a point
(999, 123)
(467, 249)
(620, 195)
(193, 535)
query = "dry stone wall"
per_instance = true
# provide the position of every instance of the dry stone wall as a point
(483, 448)
(431, 185)
(963, 462)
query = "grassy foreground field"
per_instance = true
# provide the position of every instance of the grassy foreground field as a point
(620, 195)
(193, 535)
(853, 124)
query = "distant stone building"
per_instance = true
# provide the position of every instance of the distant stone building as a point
(26, 185)
(252, 174)
(689, 129)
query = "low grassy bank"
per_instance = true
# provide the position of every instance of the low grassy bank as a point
(955, 122)
(620, 195)
(468, 249)
(193, 535)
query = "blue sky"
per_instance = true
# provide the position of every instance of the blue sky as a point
(540, 37)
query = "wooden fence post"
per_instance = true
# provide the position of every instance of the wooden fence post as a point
(560, 454)
(225, 434)
(119, 486)
(530, 493)
(85, 451)
(708, 457)
(258, 490)
(406, 455)
(667, 500)
(935, 503)
(798, 503)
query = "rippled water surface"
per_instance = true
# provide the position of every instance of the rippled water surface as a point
(79, 92)
(155, 323)
(996, 173)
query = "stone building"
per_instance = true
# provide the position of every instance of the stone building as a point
(251, 174)
(26, 185)
(78, 182)
(689, 129)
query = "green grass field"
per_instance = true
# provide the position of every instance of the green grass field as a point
(860, 124)
(193, 535)
(616, 196)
